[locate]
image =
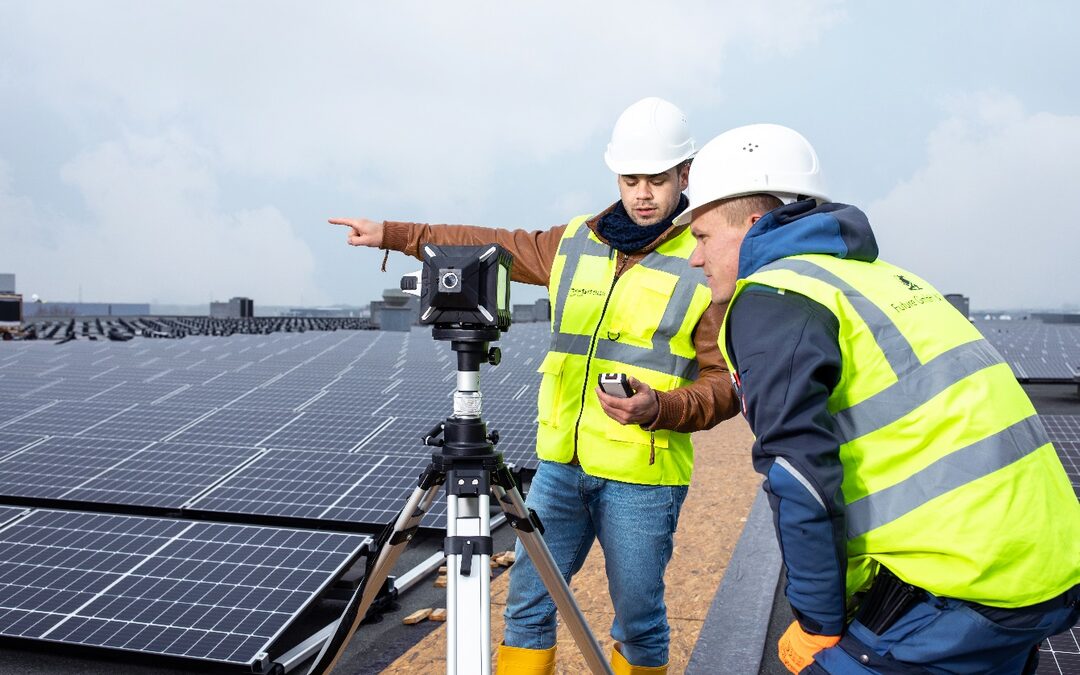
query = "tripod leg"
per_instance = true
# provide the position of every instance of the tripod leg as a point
(527, 531)
(391, 545)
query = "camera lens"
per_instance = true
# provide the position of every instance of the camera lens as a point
(450, 280)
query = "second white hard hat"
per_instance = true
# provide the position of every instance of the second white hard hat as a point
(758, 158)
(650, 137)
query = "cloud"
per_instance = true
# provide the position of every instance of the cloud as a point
(420, 101)
(990, 213)
(155, 230)
(160, 113)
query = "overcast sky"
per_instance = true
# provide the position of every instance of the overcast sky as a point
(174, 152)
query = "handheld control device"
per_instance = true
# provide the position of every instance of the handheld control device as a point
(616, 384)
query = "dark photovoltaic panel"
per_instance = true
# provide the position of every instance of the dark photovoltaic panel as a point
(7, 513)
(158, 424)
(245, 428)
(207, 591)
(165, 475)
(146, 422)
(1069, 453)
(11, 408)
(328, 486)
(10, 443)
(50, 469)
(321, 431)
(1060, 654)
(66, 418)
(1064, 431)
(1036, 351)
(1062, 427)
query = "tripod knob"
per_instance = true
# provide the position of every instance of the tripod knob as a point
(494, 356)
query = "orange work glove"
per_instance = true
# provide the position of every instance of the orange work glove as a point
(797, 647)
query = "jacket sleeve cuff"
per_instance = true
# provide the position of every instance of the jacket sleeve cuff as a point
(667, 416)
(395, 236)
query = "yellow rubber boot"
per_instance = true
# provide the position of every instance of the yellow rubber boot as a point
(621, 666)
(521, 661)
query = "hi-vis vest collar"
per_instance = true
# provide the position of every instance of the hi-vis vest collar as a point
(660, 358)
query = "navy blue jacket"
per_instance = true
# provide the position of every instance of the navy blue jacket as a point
(786, 351)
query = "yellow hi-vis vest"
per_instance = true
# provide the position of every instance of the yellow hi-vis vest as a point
(640, 324)
(949, 480)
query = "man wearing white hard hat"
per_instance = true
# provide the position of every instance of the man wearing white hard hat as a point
(613, 469)
(923, 515)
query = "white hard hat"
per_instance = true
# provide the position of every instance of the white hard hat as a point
(650, 137)
(755, 159)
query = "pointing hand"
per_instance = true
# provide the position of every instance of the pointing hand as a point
(362, 232)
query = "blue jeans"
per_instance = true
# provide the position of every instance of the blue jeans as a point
(943, 635)
(634, 524)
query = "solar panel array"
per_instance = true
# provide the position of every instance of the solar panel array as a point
(237, 424)
(1061, 653)
(209, 591)
(1064, 431)
(1036, 351)
(319, 430)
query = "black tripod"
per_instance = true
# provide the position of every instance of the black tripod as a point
(472, 471)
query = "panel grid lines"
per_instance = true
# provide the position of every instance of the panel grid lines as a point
(181, 588)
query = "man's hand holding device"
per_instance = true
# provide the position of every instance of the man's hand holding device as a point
(626, 399)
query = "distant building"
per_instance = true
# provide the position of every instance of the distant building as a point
(542, 310)
(523, 314)
(961, 302)
(7, 283)
(397, 311)
(235, 308)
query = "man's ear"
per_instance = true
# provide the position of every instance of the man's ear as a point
(684, 176)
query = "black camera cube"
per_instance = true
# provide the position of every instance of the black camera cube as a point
(466, 286)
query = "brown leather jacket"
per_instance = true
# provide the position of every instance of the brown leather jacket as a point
(699, 405)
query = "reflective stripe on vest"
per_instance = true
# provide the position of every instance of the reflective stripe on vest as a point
(916, 382)
(660, 358)
(954, 470)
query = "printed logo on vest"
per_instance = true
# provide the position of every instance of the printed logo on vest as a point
(579, 292)
(911, 285)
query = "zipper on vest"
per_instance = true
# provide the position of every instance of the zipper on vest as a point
(592, 347)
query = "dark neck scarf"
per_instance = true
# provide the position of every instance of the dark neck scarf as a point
(626, 236)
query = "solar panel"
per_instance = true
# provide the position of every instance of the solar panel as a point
(8, 513)
(1060, 654)
(1062, 427)
(146, 422)
(64, 418)
(10, 443)
(1034, 350)
(1069, 453)
(208, 591)
(315, 431)
(227, 426)
(13, 408)
(317, 485)
(165, 475)
(51, 468)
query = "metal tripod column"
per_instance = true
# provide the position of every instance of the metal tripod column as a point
(468, 588)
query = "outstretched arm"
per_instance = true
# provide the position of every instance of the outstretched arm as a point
(533, 251)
